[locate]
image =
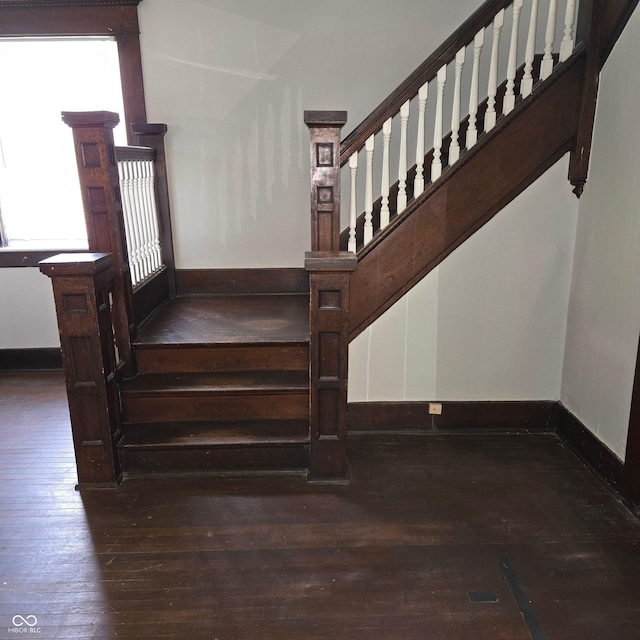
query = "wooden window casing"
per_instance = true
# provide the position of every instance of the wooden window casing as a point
(68, 18)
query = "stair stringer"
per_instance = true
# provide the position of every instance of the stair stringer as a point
(500, 167)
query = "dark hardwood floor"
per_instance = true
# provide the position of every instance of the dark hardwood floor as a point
(426, 525)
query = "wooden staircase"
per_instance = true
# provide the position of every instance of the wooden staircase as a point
(222, 385)
(214, 373)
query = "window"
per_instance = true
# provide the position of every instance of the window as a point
(40, 201)
(111, 24)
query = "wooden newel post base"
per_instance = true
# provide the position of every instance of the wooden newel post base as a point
(329, 275)
(324, 131)
(82, 284)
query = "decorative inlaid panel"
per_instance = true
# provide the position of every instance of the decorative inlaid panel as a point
(90, 154)
(97, 197)
(325, 195)
(329, 355)
(82, 361)
(74, 303)
(324, 154)
(329, 405)
(330, 300)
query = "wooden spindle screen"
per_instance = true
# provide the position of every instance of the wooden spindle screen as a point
(136, 170)
(510, 52)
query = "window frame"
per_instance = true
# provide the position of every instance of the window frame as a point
(68, 18)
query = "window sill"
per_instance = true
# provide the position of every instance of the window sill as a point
(12, 257)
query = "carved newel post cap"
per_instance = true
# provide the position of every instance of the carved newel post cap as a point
(325, 118)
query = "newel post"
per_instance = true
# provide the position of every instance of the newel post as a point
(100, 186)
(324, 130)
(82, 283)
(152, 135)
(329, 274)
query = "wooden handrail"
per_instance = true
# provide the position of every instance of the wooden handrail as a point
(135, 153)
(444, 54)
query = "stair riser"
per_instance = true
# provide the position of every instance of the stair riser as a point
(175, 408)
(219, 460)
(221, 358)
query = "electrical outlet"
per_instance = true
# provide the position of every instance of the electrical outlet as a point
(435, 409)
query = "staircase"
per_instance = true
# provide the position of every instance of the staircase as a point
(222, 385)
(246, 372)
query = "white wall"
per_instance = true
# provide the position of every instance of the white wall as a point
(27, 315)
(487, 324)
(231, 78)
(604, 310)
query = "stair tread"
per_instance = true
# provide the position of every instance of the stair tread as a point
(228, 320)
(218, 382)
(216, 434)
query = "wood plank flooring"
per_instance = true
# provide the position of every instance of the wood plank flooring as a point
(393, 555)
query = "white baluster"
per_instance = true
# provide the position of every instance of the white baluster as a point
(156, 250)
(140, 215)
(454, 147)
(549, 38)
(368, 191)
(566, 48)
(436, 165)
(418, 183)
(353, 215)
(136, 257)
(510, 96)
(128, 231)
(490, 116)
(472, 129)
(526, 86)
(384, 188)
(401, 202)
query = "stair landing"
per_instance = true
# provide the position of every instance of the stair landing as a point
(229, 319)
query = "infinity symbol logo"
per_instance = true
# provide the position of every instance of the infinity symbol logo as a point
(30, 621)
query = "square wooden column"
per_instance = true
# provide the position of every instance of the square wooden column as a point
(324, 131)
(101, 198)
(82, 284)
(329, 275)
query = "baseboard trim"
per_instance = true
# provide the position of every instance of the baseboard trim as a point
(30, 359)
(512, 416)
(589, 449)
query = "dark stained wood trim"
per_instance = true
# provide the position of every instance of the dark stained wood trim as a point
(10, 258)
(135, 153)
(517, 152)
(589, 32)
(82, 288)
(485, 416)
(324, 164)
(616, 14)
(631, 476)
(40, 359)
(118, 19)
(46, 4)
(589, 448)
(152, 136)
(329, 355)
(240, 281)
(150, 295)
